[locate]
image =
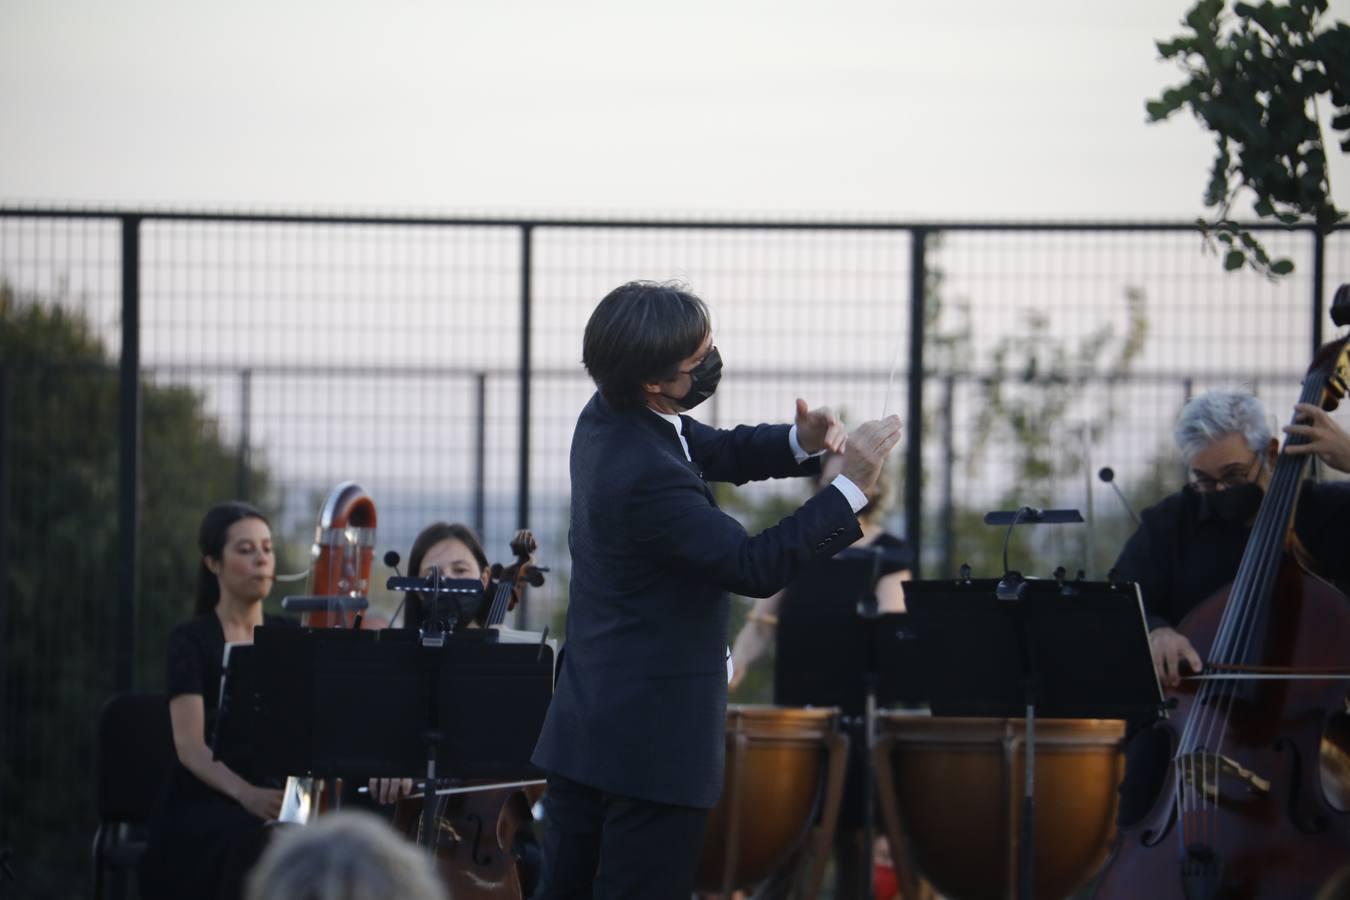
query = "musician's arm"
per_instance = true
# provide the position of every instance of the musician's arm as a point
(755, 636)
(891, 591)
(188, 717)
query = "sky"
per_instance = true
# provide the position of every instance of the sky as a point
(959, 110)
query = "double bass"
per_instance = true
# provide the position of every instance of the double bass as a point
(1257, 793)
(474, 826)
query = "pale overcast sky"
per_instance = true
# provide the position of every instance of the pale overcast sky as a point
(981, 109)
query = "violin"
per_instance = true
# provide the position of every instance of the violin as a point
(475, 826)
(1254, 805)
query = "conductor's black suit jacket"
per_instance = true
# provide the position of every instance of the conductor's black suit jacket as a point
(640, 704)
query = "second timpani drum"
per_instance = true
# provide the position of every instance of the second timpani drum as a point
(951, 794)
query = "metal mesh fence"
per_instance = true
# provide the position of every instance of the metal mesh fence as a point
(282, 355)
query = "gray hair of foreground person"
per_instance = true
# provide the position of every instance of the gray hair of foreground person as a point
(343, 856)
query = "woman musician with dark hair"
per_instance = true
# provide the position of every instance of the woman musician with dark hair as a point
(208, 830)
(454, 551)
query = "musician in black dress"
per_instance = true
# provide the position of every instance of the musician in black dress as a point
(210, 825)
(820, 608)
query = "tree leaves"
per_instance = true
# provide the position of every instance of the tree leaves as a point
(1256, 79)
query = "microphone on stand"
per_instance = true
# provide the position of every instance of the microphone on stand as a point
(391, 559)
(1108, 475)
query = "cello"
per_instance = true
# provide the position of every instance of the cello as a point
(1253, 806)
(475, 825)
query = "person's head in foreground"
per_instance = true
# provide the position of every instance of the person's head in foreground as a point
(343, 856)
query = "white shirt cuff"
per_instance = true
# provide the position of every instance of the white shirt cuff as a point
(797, 452)
(852, 493)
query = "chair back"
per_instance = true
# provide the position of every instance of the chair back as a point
(134, 755)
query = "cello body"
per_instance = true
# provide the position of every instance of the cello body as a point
(1277, 832)
(473, 843)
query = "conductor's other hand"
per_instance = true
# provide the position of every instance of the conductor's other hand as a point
(867, 448)
(819, 429)
(265, 803)
(1170, 648)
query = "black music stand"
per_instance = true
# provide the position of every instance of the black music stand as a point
(1017, 647)
(387, 704)
(872, 664)
(237, 713)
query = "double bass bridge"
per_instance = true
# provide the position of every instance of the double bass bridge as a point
(1208, 772)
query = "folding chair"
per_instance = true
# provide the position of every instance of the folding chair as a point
(133, 757)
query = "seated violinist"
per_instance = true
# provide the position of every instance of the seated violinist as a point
(1189, 545)
(455, 551)
(209, 830)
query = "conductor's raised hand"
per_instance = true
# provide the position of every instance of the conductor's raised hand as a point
(867, 448)
(819, 429)
(1325, 437)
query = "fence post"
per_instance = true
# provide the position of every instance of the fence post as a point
(523, 477)
(948, 528)
(4, 553)
(480, 453)
(918, 277)
(128, 458)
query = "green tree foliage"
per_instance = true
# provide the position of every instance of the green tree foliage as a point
(60, 566)
(1046, 400)
(1256, 78)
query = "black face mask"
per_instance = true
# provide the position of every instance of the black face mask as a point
(1236, 504)
(704, 379)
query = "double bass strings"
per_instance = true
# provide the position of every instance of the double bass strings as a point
(1237, 627)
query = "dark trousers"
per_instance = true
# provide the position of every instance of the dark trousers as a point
(605, 846)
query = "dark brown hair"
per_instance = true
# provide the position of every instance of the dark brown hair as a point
(639, 333)
(211, 536)
(429, 537)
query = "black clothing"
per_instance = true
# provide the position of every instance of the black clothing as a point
(640, 706)
(651, 850)
(1182, 553)
(821, 604)
(201, 842)
(639, 714)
